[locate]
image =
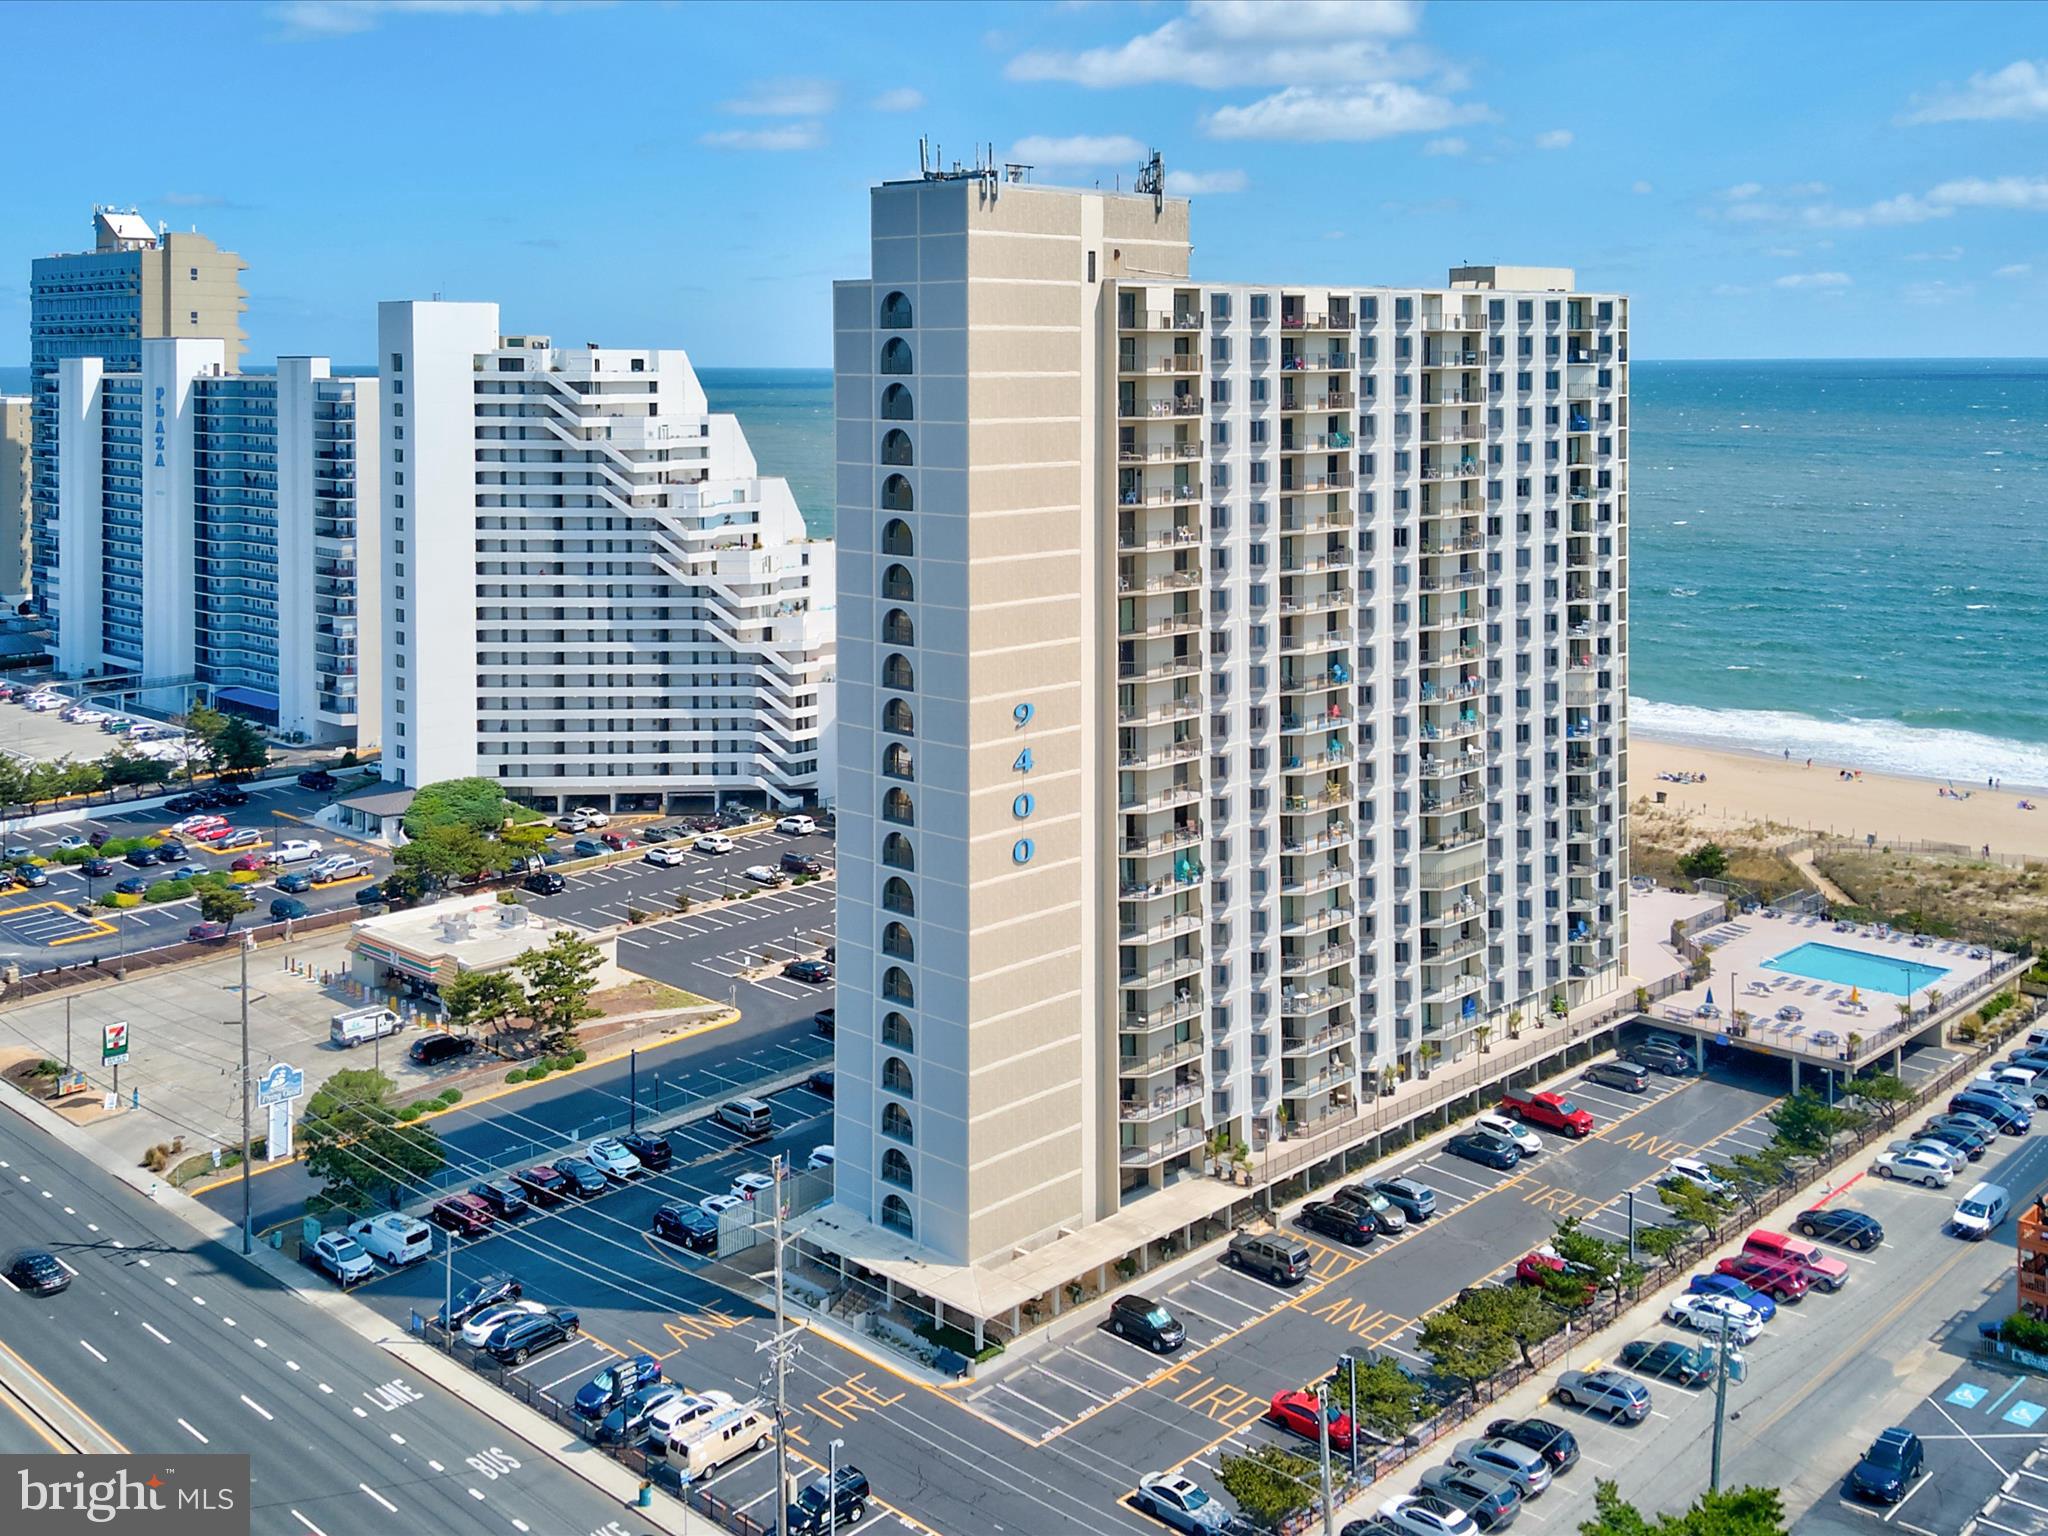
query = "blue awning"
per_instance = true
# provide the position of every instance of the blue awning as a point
(248, 698)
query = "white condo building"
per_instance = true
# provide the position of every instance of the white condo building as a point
(1232, 697)
(594, 596)
(207, 526)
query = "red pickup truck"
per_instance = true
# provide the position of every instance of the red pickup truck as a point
(1548, 1110)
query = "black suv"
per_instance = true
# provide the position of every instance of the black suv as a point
(1850, 1228)
(319, 780)
(849, 1502)
(438, 1046)
(1146, 1322)
(484, 1291)
(1558, 1446)
(827, 1021)
(545, 882)
(653, 1151)
(513, 1342)
(38, 1273)
(801, 864)
(1888, 1468)
(690, 1225)
(505, 1198)
(1345, 1222)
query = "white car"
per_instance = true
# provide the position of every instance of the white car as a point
(748, 1185)
(1690, 1170)
(1181, 1502)
(572, 821)
(763, 874)
(482, 1324)
(73, 841)
(1915, 1166)
(663, 856)
(611, 1155)
(343, 1257)
(678, 1412)
(1703, 1314)
(296, 850)
(796, 826)
(194, 823)
(1956, 1161)
(1424, 1514)
(1526, 1141)
(718, 1205)
(822, 1157)
(713, 842)
(592, 816)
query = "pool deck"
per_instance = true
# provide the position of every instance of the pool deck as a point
(1739, 981)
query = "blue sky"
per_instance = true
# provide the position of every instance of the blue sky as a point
(1767, 181)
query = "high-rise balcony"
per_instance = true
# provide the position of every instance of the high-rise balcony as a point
(1455, 803)
(1182, 704)
(1183, 1140)
(1440, 617)
(1328, 719)
(1178, 450)
(1327, 831)
(1309, 400)
(1141, 625)
(1325, 561)
(1310, 1002)
(1134, 536)
(1316, 960)
(1143, 933)
(1296, 518)
(1140, 318)
(1454, 950)
(1144, 1019)
(1152, 972)
(1332, 597)
(1314, 442)
(1452, 870)
(1138, 362)
(1453, 728)
(1315, 920)
(1311, 882)
(1154, 669)
(1165, 1059)
(1183, 749)
(1158, 1102)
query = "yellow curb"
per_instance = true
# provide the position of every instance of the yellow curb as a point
(726, 1017)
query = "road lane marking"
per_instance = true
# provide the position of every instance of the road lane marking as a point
(224, 1318)
(359, 1413)
(398, 1438)
(160, 1337)
(326, 1388)
(521, 1525)
(437, 1466)
(93, 1352)
(267, 1414)
(66, 1267)
(291, 1365)
(309, 1525)
(373, 1493)
(475, 1495)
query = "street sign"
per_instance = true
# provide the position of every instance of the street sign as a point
(279, 1085)
(113, 1042)
(279, 1142)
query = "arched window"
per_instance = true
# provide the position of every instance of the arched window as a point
(897, 896)
(896, 1078)
(897, 628)
(897, 852)
(896, 313)
(897, 586)
(896, 673)
(896, 1168)
(896, 539)
(898, 807)
(896, 763)
(896, 987)
(896, 941)
(896, 444)
(896, 1123)
(897, 404)
(896, 1033)
(895, 355)
(897, 719)
(896, 497)
(896, 1215)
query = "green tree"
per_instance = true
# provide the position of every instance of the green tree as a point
(524, 839)
(1661, 1240)
(1882, 1093)
(1607, 1262)
(1709, 861)
(444, 853)
(1270, 1483)
(1757, 1176)
(1691, 1204)
(476, 803)
(1390, 1401)
(222, 904)
(13, 782)
(558, 978)
(1736, 1512)
(123, 769)
(45, 782)
(403, 887)
(239, 747)
(1806, 1123)
(356, 1144)
(79, 778)
(203, 722)
(479, 998)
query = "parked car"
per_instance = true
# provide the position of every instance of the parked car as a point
(1956, 1160)
(1144, 1321)
(673, 1421)
(652, 1150)
(814, 972)
(718, 1205)
(827, 1021)
(1490, 1499)
(485, 1291)
(287, 909)
(1661, 1058)
(765, 874)
(248, 862)
(97, 869)
(1690, 1170)
(544, 1184)
(589, 848)
(212, 836)
(2008, 1117)
(487, 1320)
(1486, 1148)
(824, 1083)
(1537, 1266)
(1336, 1219)
(435, 1046)
(1552, 1111)
(794, 863)
(464, 1215)
(1527, 1469)
(586, 1180)
(1299, 1413)
(1915, 1166)
(1424, 1514)
(1526, 1141)
(505, 1198)
(1712, 1284)
(610, 1154)
(614, 1384)
(693, 1228)
(517, 1341)
(664, 856)
(139, 857)
(1821, 1271)
(396, 1239)
(1778, 1279)
(1971, 1144)
(592, 816)
(206, 933)
(1387, 1217)
(29, 875)
(1895, 1460)
(796, 826)
(1181, 1502)
(822, 1156)
(1620, 1396)
(1625, 1075)
(1833, 1224)
(1704, 1314)
(296, 883)
(371, 896)
(545, 882)
(134, 885)
(319, 780)
(1556, 1444)
(618, 842)
(1414, 1200)
(572, 821)
(342, 1257)
(752, 1118)
(1273, 1257)
(713, 842)
(296, 850)
(1689, 1365)
(749, 1186)
(239, 837)
(627, 1420)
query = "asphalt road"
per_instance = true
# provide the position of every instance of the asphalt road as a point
(38, 927)
(169, 1343)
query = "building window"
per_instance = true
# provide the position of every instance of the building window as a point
(897, 673)
(896, 987)
(895, 1209)
(896, 313)
(897, 586)
(896, 763)
(898, 854)
(896, 1078)
(896, 1032)
(896, 539)
(896, 495)
(896, 355)
(896, 1168)
(896, 404)
(897, 719)
(897, 806)
(897, 628)
(898, 945)
(896, 444)
(896, 1123)
(897, 896)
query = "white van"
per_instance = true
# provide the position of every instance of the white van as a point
(395, 1239)
(359, 1026)
(709, 1443)
(674, 1421)
(822, 1157)
(1980, 1211)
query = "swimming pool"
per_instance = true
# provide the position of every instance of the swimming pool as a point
(1854, 968)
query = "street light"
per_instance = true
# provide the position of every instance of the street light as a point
(832, 1487)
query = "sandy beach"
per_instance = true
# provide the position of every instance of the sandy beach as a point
(1742, 790)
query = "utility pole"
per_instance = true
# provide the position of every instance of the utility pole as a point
(783, 1346)
(633, 1089)
(832, 1487)
(1631, 1226)
(1351, 1365)
(1720, 1403)
(1323, 1442)
(448, 1292)
(67, 1037)
(248, 1220)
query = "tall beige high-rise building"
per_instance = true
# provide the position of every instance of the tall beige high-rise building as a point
(14, 488)
(1232, 691)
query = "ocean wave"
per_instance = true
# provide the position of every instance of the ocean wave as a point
(1880, 746)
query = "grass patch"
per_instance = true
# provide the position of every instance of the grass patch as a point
(645, 996)
(946, 1336)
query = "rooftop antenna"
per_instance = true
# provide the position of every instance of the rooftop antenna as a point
(1152, 179)
(924, 156)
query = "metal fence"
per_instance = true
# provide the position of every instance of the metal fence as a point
(108, 969)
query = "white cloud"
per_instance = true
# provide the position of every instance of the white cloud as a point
(1210, 183)
(2015, 269)
(2020, 90)
(785, 98)
(1556, 138)
(1219, 44)
(1730, 290)
(2025, 193)
(1951, 253)
(1378, 110)
(1448, 146)
(1783, 252)
(903, 99)
(1936, 292)
(783, 137)
(309, 19)
(1812, 280)
(1642, 189)
(1077, 149)
(1743, 190)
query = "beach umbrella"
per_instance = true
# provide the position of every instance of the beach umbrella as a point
(1710, 997)
(1853, 997)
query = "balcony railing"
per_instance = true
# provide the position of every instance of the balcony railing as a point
(1186, 1139)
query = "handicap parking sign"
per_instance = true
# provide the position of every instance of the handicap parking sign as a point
(2024, 1414)
(1968, 1395)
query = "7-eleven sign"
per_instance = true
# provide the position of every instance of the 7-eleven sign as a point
(113, 1042)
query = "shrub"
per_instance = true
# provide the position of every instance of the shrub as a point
(635, 915)
(412, 1112)
(48, 1068)
(451, 1096)
(579, 1055)
(516, 1075)
(2024, 1332)
(537, 1071)
(562, 1063)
